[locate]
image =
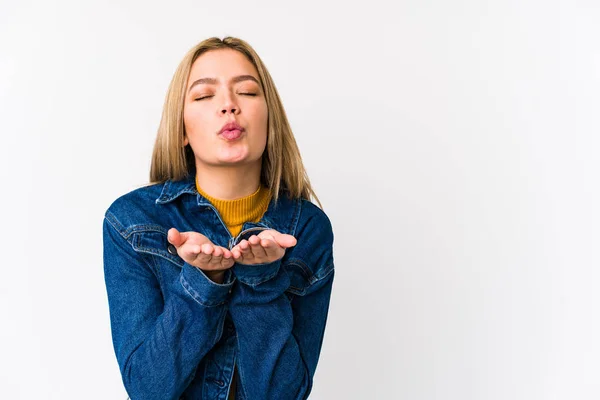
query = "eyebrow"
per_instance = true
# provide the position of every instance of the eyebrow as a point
(213, 81)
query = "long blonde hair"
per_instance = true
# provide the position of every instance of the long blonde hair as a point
(281, 161)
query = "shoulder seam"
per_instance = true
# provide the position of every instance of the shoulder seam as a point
(114, 222)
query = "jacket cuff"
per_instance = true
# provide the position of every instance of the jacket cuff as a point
(255, 274)
(202, 289)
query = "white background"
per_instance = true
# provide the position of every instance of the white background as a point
(454, 146)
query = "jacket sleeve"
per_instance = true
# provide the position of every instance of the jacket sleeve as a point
(280, 337)
(158, 343)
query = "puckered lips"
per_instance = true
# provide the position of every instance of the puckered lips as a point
(231, 131)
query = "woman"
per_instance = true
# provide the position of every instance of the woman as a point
(219, 272)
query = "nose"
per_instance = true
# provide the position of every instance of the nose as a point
(229, 105)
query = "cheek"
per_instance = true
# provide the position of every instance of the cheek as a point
(195, 124)
(262, 116)
(189, 118)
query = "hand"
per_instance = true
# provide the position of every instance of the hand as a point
(197, 250)
(267, 247)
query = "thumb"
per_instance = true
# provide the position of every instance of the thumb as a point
(175, 237)
(285, 240)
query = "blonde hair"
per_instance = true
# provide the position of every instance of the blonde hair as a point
(282, 165)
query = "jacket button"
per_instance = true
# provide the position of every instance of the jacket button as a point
(172, 249)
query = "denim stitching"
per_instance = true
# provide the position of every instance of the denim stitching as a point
(157, 250)
(164, 198)
(194, 295)
(256, 281)
(295, 217)
(328, 270)
(240, 372)
(115, 223)
(312, 279)
(145, 228)
(158, 270)
(160, 253)
(299, 263)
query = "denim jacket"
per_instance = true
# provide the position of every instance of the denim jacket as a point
(177, 334)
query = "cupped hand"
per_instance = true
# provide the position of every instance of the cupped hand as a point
(266, 247)
(197, 250)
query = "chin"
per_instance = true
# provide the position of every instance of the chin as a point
(233, 160)
(238, 157)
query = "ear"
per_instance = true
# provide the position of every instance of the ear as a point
(185, 141)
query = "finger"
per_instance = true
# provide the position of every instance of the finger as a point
(203, 255)
(174, 237)
(226, 253)
(221, 258)
(246, 249)
(227, 263)
(217, 257)
(240, 250)
(268, 239)
(207, 248)
(237, 254)
(273, 250)
(191, 251)
(285, 240)
(268, 234)
(269, 245)
(178, 238)
(210, 262)
(257, 249)
(222, 252)
(217, 252)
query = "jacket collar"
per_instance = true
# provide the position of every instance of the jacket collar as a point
(173, 189)
(282, 216)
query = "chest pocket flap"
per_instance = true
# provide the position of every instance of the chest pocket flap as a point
(155, 242)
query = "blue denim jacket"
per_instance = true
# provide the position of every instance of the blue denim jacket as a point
(177, 334)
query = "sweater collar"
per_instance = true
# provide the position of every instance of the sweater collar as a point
(282, 215)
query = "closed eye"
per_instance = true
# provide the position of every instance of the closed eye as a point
(205, 97)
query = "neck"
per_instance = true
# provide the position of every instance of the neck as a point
(229, 182)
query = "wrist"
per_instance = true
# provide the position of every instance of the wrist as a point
(215, 276)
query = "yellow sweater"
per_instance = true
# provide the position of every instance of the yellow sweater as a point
(245, 209)
(234, 213)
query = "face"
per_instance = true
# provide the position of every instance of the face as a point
(228, 95)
